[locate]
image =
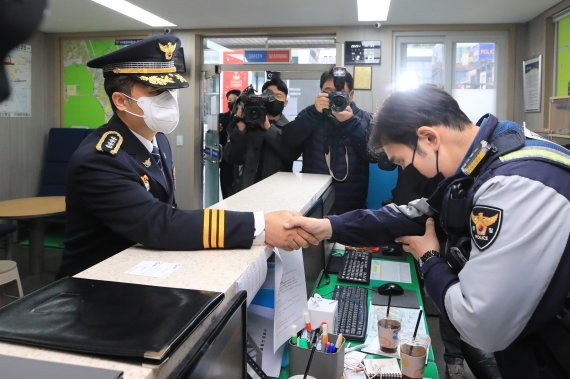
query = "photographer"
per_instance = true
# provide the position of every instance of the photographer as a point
(227, 169)
(332, 135)
(256, 141)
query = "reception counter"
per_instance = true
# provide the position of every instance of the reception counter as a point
(213, 270)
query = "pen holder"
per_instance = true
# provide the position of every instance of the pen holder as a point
(323, 365)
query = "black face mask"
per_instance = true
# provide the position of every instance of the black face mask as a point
(230, 105)
(274, 108)
(420, 184)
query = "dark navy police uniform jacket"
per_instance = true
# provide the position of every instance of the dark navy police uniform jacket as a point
(117, 196)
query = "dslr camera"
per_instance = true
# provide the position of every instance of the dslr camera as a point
(339, 98)
(255, 106)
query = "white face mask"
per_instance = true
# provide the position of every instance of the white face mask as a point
(160, 112)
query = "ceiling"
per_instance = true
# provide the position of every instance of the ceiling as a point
(87, 16)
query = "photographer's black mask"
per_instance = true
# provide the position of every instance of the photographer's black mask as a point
(420, 182)
(275, 107)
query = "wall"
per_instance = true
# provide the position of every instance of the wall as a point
(534, 38)
(22, 140)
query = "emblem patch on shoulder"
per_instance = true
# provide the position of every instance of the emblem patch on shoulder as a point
(485, 224)
(110, 143)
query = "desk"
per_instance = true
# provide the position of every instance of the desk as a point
(34, 209)
(326, 291)
(214, 270)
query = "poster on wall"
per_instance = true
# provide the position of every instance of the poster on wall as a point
(362, 52)
(18, 64)
(563, 57)
(531, 84)
(85, 103)
(232, 80)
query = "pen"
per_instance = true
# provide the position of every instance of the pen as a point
(307, 321)
(303, 343)
(331, 348)
(339, 341)
(325, 337)
(294, 334)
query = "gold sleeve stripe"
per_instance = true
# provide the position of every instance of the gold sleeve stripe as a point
(214, 233)
(206, 238)
(221, 230)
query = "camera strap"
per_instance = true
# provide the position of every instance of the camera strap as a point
(328, 160)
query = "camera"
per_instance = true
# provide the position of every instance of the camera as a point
(339, 99)
(377, 25)
(167, 30)
(255, 106)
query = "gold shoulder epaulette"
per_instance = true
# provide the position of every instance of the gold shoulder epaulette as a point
(110, 143)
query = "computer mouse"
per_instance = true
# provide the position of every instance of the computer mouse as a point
(390, 289)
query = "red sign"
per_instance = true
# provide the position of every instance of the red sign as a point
(233, 57)
(232, 80)
(279, 56)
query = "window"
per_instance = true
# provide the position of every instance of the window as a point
(469, 65)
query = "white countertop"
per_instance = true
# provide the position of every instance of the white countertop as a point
(212, 270)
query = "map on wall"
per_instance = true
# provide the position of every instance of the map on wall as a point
(85, 103)
(18, 64)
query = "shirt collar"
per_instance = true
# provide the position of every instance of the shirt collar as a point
(146, 143)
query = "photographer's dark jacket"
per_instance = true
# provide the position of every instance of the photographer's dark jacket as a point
(313, 133)
(261, 152)
(509, 296)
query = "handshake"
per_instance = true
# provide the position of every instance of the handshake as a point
(291, 231)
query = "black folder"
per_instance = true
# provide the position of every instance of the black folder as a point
(122, 320)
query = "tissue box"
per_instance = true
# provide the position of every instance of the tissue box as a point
(322, 310)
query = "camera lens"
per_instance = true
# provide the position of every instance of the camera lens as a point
(339, 102)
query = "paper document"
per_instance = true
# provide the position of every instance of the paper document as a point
(390, 271)
(409, 319)
(155, 269)
(260, 331)
(290, 294)
(253, 277)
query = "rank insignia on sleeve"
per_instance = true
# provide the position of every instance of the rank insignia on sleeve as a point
(110, 143)
(145, 181)
(485, 224)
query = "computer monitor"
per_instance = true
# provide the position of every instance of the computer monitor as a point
(222, 351)
(314, 255)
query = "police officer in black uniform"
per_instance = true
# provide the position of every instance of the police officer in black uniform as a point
(121, 179)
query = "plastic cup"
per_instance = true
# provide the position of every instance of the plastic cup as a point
(413, 353)
(389, 330)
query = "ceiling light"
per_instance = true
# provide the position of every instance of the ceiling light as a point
(373, 10)
(135, 12)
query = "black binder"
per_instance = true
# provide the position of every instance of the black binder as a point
(122, 320)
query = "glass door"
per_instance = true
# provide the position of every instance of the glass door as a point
(211, 145)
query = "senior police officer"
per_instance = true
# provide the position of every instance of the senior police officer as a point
(504, 206)
(121, 179)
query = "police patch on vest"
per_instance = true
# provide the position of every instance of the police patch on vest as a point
(110, 143)
(485, 225)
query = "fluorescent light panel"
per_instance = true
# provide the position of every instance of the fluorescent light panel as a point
(135, 12)
(373, 10)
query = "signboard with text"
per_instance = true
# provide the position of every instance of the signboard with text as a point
(267, 56)
(232, 80)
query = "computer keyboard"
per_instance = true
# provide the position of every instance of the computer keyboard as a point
(352, 312)
(356, 267)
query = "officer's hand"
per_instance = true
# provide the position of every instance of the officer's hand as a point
(322, 102)
(318, 228)
(344, 115)
(419, 245)
(276, 235)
